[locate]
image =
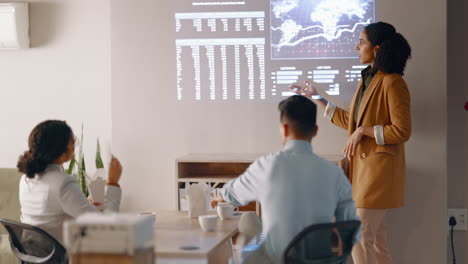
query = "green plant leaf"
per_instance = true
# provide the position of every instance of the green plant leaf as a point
(71, 166)
(99, 163)
(82, 176)
(82, 168)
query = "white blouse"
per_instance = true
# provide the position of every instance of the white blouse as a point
(53, 196)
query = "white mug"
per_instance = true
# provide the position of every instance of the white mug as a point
(226, 211)
(208, 222)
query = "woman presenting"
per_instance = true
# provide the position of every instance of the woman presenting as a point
(379, 123)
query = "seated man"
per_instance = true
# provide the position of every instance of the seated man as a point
(295, 187)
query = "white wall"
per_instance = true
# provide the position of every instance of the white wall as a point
(64, 75)
(150, 129)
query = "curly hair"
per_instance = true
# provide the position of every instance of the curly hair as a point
(394, 50)
(47, 142)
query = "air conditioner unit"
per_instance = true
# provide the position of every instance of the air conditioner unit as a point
(14, 26)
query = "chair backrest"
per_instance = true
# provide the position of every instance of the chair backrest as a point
(322, 244)
(33, 245)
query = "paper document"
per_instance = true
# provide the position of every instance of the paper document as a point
(97, 189)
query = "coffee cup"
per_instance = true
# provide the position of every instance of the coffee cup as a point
(208, 222)
(226, 211)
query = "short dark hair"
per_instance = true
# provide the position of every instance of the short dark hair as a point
(47, 141)
(300, 114)
(394, 50)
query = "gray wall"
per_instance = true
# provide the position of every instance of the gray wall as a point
(151, 129)
(457, 117)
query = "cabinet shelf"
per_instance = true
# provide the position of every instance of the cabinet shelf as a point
(212, 168)
(221, 179)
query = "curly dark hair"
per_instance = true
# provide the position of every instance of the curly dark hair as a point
(47, 141)
(394, 50)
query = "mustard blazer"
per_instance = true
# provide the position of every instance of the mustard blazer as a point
(377, 172)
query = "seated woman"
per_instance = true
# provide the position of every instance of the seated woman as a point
(48, 195)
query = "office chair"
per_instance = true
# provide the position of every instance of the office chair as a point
(33, 245)
(322, 244)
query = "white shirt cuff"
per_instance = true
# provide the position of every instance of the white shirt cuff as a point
(379, 135)
(329, 111)
(112, 198)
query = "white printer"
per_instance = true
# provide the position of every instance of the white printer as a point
(117, 233)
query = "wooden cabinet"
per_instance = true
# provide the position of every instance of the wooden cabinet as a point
(212, 169)
(220, 168)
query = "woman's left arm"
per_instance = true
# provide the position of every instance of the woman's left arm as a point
(399, 131)
(72, 199)
(74, 203)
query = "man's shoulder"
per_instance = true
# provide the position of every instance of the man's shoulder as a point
(320, 162)
(310, 159)
(270, 157)
(326, 162)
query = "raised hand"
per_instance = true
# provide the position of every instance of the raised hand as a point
(305, 89)
(115, 171)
